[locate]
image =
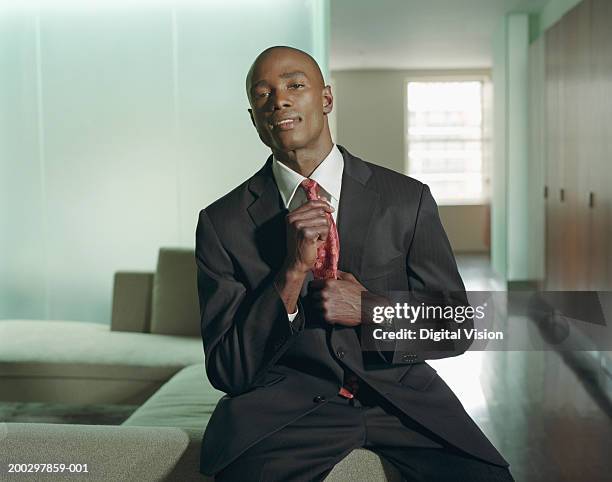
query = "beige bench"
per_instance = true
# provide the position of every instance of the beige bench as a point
(151, 354)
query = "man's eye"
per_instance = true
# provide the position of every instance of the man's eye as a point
(297, 85)
(263, 94)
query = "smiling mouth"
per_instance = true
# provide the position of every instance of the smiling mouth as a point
(284, 125)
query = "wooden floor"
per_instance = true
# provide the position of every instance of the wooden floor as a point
(548, 418)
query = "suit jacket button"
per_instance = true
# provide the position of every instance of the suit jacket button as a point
(318, 399)
(409, 357)
(340, 353)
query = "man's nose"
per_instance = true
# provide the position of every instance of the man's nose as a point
(281, 100)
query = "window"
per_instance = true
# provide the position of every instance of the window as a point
(444, 139)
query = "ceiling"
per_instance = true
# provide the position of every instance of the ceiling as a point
(417, 34)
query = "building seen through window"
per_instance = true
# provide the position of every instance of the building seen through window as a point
(444, 139)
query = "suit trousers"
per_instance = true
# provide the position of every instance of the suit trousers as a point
(307, 449)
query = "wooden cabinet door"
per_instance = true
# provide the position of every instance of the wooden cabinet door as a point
(578, 159)
(600, 249)
(553, 136)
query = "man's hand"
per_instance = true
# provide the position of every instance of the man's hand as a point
(307, 229)
(338, 300)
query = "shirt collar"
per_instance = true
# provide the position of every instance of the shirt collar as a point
(328, 175)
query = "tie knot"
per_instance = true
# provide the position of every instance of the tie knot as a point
(311, 187)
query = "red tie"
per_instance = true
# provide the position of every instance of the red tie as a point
(326, 267)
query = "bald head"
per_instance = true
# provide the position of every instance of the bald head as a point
(279, 53)
(289, 105)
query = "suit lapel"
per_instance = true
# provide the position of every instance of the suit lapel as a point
(355, 213)
(268, 215)
(267, 203)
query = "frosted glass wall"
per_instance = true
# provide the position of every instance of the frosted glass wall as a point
(118, 123)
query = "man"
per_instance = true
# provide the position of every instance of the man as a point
(282, 261)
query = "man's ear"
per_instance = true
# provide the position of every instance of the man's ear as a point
(252, 119)
(328, 99)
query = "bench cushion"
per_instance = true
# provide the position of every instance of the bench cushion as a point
(176, 308)
(362, 465)
(188, 400)
(110, 452)
(82, 362)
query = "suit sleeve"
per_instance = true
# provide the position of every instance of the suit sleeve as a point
(244, 332)
(434, 281)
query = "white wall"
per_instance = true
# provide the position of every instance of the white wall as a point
(119, 122)
(370, 115)
(467, 227)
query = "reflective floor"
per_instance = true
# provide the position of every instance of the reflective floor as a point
(547, 414)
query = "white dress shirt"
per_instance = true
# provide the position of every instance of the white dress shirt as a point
(328, 176)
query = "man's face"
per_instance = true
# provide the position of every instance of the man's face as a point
(288, 101)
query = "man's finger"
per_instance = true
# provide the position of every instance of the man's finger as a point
(318, 233)
(310, 214)
(318, 223)
(315, 204)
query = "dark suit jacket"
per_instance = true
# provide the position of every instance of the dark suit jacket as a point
(273, 372)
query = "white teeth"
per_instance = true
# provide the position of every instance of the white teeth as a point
(284, 122)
